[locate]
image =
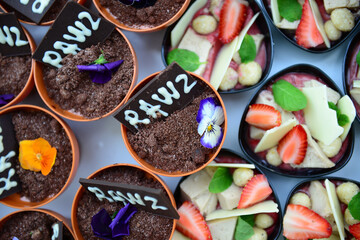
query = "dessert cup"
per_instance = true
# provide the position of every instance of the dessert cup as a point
(71, 114)
(177, 173)
(152, 28)
(30, 81)
(24, 19)
(313, 166)
(18, 201)
(289, 34)
(264, 54)
(118, 167)
(56, 217)
(350, 70)
(181, 194)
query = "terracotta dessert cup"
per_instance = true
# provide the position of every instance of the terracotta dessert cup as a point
(34, 224)
(351, 73)
(142, 225)
(172, 146)
(203, 42)
(324, 208)
(16, 74)
(315, 26)
(232, 198)
(73, 95)
(298, 124)
(35, 134)
(143, 16)
(49, 17)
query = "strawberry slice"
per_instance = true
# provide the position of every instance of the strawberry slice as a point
(292, 147)
(302, 223)
(263, 116)
(192, 223)
(256, 190)
(307, 35)
(232, 18)
(355, 230)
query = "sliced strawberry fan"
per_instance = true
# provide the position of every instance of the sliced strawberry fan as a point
(263, 116)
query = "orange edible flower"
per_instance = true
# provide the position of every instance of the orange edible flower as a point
(37, 155)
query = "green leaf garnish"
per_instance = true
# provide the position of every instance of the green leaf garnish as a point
(342, 118)
(358, 58)
(188, 60)
(354, 206)
(288, 97)
(291, 10)
(247, 50)
(101, 59)
(243, 230)
(250, 219)
(221, 180)
(114, 215)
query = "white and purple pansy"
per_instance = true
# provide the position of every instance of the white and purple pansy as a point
(210, 117)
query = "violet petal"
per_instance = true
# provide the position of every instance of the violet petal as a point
(207, 107)
(113, 65)
(212, 138)
(100, 77)
(5, 99)
(15, 238)
(92, 68)
(120, 224)
(100, 225)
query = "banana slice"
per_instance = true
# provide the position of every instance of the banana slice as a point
(275, 12)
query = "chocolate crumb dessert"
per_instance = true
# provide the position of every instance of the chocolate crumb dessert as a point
(143, 18)
(173, 144)
(31, 225)
(143, 225)
(74, 91)
(14, 73)
(31, 125)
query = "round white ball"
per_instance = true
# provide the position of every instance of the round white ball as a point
(301, 198)
(249, 73)
(273, 157)
(229, 80)
(349, 219)
(204, 24)
(346, 191)
(343, 19)
(263, 220)
(332, 149)
(241, 176)
(331, 31)
(259, 234)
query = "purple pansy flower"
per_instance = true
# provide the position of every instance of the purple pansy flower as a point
(139, 3)
(5, 99)
(106, 228)
(210, 117)
(15, 238)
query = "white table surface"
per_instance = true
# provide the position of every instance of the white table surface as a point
(101, 143)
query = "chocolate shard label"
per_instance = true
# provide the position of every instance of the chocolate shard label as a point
(13, 41)
(9, 181)
(149, 199)
(171, 90)
(57, 231)
(35, 10)
(75, 28)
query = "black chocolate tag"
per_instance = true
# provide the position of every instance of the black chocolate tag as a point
(149, 199)
(170, 90)
(74, 29)
(57, 230)
(9, 181)
(35, 10)
(13, 41)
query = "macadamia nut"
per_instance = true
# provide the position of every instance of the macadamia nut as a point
(242, 175)
(263, 220)
(259, 234)
(273, 157)
(204, 24)
(331, 31)
(343, 19)
(249, 73)
(229, 80)
(300, 198)
(349, 219)
(332, 149)
(346, 191)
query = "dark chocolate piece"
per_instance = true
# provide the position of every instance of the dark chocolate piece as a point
(13, 41)
(171, 90)
(35, 10)
(74, 29)
(9, 181)
(149, 199)
(57, 230)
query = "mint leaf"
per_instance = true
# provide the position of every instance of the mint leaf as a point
(250, 219)
(247, 50)
(221, 180)
(291, 10)
(288, 97)
(342, 118)
(188, 60)
(358, 58)
(354, 206)
(243, 230)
